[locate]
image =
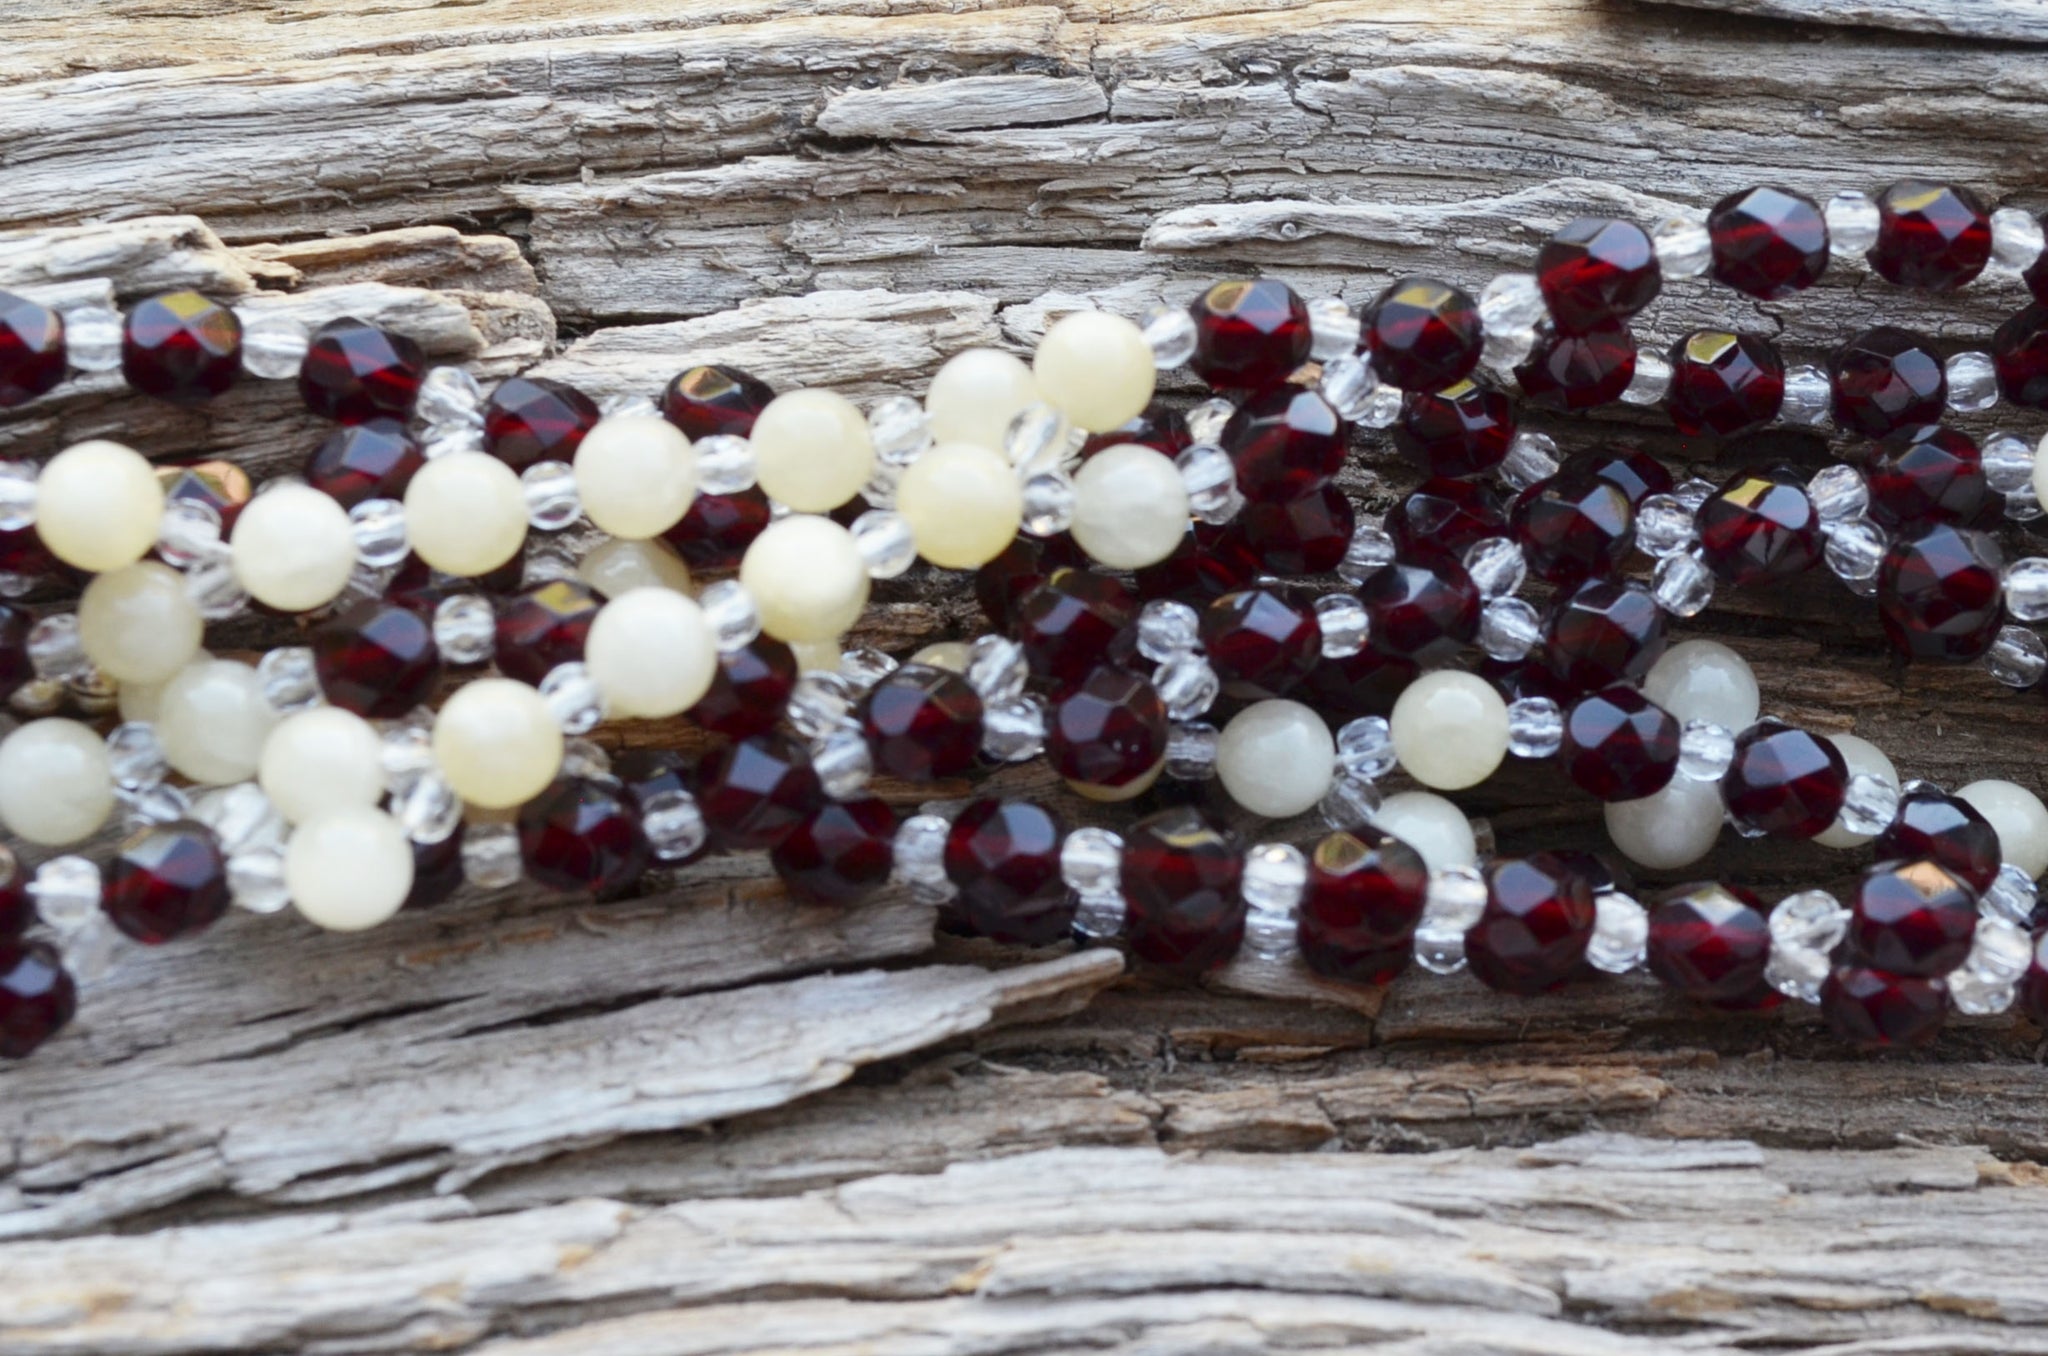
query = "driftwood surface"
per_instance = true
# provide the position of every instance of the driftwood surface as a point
(707, 1120)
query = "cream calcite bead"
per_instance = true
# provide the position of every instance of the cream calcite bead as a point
(807, 579)
(496, 743)
(143, 701)
(636, 475)
(349, 868)
(98, 506)
(465, 513)
(293, 548)
(2019, 817)
(1862, 756)
(1130, 507)
(812, 450)
(1704, 680)
(213, 721)
(1276, 758)
(1435, 828)
(137, 623)
(321, 760)
(1450, 729)
(618, 567)
(1095, 368)
(1674, 828)
(651, 653)
(56, 785)
(963, 505)
(976, 395)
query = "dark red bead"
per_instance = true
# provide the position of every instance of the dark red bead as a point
(377, 659)
(22, 552)
(712, 399)
(1936, 236)
(375, 459)
(422, 588)
(32, 354)
(1619, 745)
(1938, 594)
(1606, 631)
(16, 667)
(533, 419)
(1946, 830)
(754, 791)
(1784, 781)
(1579, 371)
(1004, 858)
(182, 348)
(581, 835)
(1284, 442)
(1364, 684)
(37, 997)
(1724, 384)
(1208, 563)
(1159, 427)
(436, 872)
(1573, 527)
(1596, 270)
(2033, 985)
(922, 723)
(1442, 519)
(716, 530)
(1425, 613)
(1109, 732)
(1457, 432)
(1634, 472)
(1364, 897)
(17, 909)
(1930, 473)
(2019, 352)
(1912, 918)
(354, 371)
(1005, 582)
(1249, 334)
(1260, 644)
(1760, 525)
(840, 854)
(168, 880)
(1768, 242)
(750, 689)
(1423, 335)
(220, 485)
(544, 626)
(1308, 535)
(1876, 1010)
(1711, 943)
(1887, 378)
(1536, 925)
(1180, 880)
(1067, 624)
(2036, 274)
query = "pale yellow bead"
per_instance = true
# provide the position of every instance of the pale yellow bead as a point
(293, 548)
(817, 656)
(963, 505)
(1450, 729)
(496, 743)
(651, 653)
(636, 475)
(138, 624)
(56, 785)
(348, 869)
(807, 578)
(98, 506)
(617, 567)
(213, 721)
(812, 450)
(1096, 368)
(1130, 507)
(976, 395)
(321, 760)
(466, 513)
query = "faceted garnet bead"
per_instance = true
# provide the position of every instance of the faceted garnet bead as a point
(31, 350)
(1022, 566)
(1442, 519)
(2033, 986)
(1159, 427)
(1877, 1010)
(713, 399)
(922, 723)
(1579, 371)
(1180, 881)
(2019, 353)
(1364, 684)
(1768, 242)
(1423, 335)
(17, 909)
(375, 459)
(582, 835)
(1596, 270)
(1457, 432)
(841, 852)
(1887, 378)
(716, 530)
(1107, 736)
(1536, 925)
(753, 791)
(1619, 745)
(182, 348)
(1712, 943)
(221, 485)
(1260, 644)
(377, 659)
(1004, 858)
(1938, 594)
(749, 690)
(1723, 383)
(1208, 563)
(1760, 525)
(354, 371)
(1284, 442)
(16, 667)
(1935, 236)
(1424, 613)
(169, 880)
(1573, 527)
(1364, 897)
(1068, 624)
(1946, 830)
(422, 588)
(436, 872)
(1606, 631)
(1308, 535)
(532, 419)
(1912, 918)
(1929, 473)
(1249, 334)
(544, 626)
(1784, 781)
(37, 997)
(1635, 472)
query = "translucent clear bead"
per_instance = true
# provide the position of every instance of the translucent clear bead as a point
(290, 682)
(551, 499)
(1621, 934)
(1509, 628)
(1852, 224)
(1457, 897)
(379, 527)
(2011, 896)
(725, 464)
(573, 698)
(407, 752)
(921, 850)
(672, 823)
(1170, 334)
(256, 879)
(1205, 421)
(1855, 549)
(67, 893)
(465, 629)
(1870, 804)
(1684, 249)
(428, 809)
(448, 440)
(1531, 457)
(158, 804)
(1014, 730)
(880, 489)
(2000, 951)
(1211, 482)
(1275, 877)
(820, 702)
(1187, 685)
(490, 856)
(17, 495)
(1663, 525)
(55, 648)
(1651, 381)
(1694, 493)
(843, 762)
(1369, 549)
(1497, 567)
(897, 425)
(2017, 657)
(1504, 350)
(274, 343)
(1972, 382)
(135, 756)
(1809, 397)
(1812, 919)
(1036, 439)
(1511, 301)
(241, 817)
(1682, 584)
(1350, 385)
(1797, 972)
(2016, 238)
(864, 666)
(885, 542)
(2026, 589)
(1333, 329)
(1344, 624)
(92, 338)
(1365, 748)
(1705, 750)
(1976, 996)
(730, 610)
(1535, 727)
(1091, 860)
(1191, 751)
(1382, 408)
(1048, 503)
(586, 758)
(2022, 505)
(627, 405)
(1167, 628)
(1839, 493)
(2008, 462)
(188, 533)
(449, 395)
(214, 590)
(1099, 915)
(996, 668)
(1349, 803)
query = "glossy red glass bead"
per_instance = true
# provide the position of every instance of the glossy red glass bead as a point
(1159, 427)
(1440, 520)
(1284, 442)
(716, 530)
(1208, 563)
(1457, 432)
(1947, 830)
(1635, 472)
(17, 909)
(1423, 335)
(22, 553)
(1936, 236)
(1572, 372)
(1108, 733)
(1596, 270)
(1711, 943)
(1424, 613)
(1784, 781)
(1724, 384)
(1573, 527)
(1358, 913)
(1760, 525)
(1605, 631)
(32, 352)
(37, 997)
(543, 626)
(840, 853)
(1536, 925)
(1307, 535)
(1004, 858)
(1619, 745)
(1364, 684)
(1911, 918)
(1180, 880)
(750, 689)
(1005, 582)
(1768, 242)
(533, 419)
(1930, 473)
(377, 659)
(2019, 353)
(422, 588)
(168, 880)
(581, 835)
(712, 399)
(1887, 378)
(1069, 624)
(375, 459)
(355, 371)
(16, 667)
(1875, 1010)
(2033, 986)
(182, 348)
(436, 872)
(755, 790)
(1938, 593)
(922, 723)
(1259, 643)
(1249, 334)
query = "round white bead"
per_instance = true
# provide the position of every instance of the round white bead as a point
(812, 450)
(294, 548)
(1130, 507)
(1450, 729)
(98, 506)
(963, 505)
(1862, 756)
(2019, 817)
(56, 785)
(636, 475)
(976, 395)
(321, 760)
(1434, 827)
(1704, 680)
(807, 578)
(618, 567)
(1674, 828)
(651, 653)
(496, 743)
(137, 623)
(466, 513)
(213, 720)
(1095, 368)
(348, 869)
(1275, 758)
